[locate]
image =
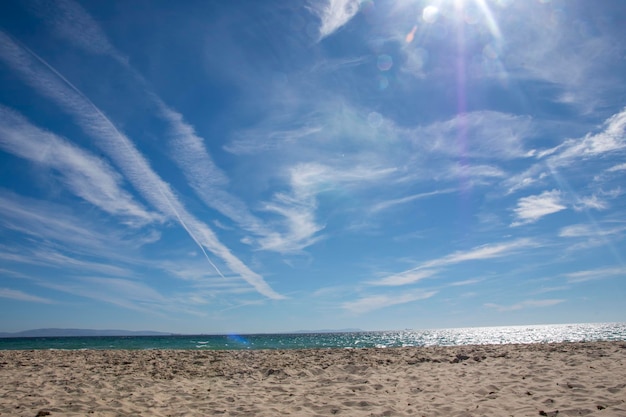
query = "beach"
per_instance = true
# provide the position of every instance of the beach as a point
(564, 379)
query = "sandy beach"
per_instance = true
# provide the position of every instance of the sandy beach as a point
(566, 379)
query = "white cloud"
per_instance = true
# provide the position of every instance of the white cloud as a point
(297, 211)
(33, 217)
(481, 252)
(577, 230)
(485, 135)
(470, 174)
(525, 304)
(376, 302)
(593, 146)
(425, 269)
(134, 295)
(613, 193)
(22, 296)
(587, 230)
(297, 208)
(587, 236)
(481, 171)
(333, 14)
(465, 282)
(70, 21)
(532, 176)
(611, 139)
(532, 208)
(618, 167)
(594, 274)
(188, 149)
(592, 202)
(85, 245)
(85, 175)
(47, 81)
(206, 179)
(549, 48)
(247, 141)
(52, 258)
(404, 278)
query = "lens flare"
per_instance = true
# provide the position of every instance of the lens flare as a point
(375, 119)
(411, 35)
(385, 62)
(383, 82)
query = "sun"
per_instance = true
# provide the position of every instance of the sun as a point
(470, 11)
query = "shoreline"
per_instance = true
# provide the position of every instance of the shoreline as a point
(575, 378)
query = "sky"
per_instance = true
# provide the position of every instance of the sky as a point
(272, 166)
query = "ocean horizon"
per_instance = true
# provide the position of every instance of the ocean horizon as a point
(520, 334)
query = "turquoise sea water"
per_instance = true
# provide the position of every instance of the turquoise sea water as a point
(442, 337)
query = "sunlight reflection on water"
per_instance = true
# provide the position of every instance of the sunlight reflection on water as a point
(381, 339)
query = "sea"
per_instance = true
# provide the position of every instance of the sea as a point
(588, 332)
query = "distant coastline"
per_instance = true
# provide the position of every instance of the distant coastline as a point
(52, 332)
(57, 332)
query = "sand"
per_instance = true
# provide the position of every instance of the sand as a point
(568, 379)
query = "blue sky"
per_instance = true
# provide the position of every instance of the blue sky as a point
(263, 166)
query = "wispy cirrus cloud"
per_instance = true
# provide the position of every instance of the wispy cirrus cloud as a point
(404, 278)
(133, 294)
(532, 208)
(428, 269)
(50, 257)
(333, 14)
(377, 302)
(595, 274)
(587, 236)
(588, 230)
(572, 61)
(489, 251)
(399, 150)
(71, 22)
(465, 282)
(486, 135)
(188, 150)
(68, 229)
(418, 154)
(203, 175)
(22, 296)
(32, 217)
(592, 202)
(247, 142)
(85, 175)
(297, 208)
(611, 139)
(48, 82)
(126, 293)
(525, 304)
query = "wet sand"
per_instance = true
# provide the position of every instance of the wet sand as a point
(565, 379)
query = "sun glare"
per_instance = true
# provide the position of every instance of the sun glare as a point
(430, 14)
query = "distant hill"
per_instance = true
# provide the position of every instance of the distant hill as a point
(93, 332)
(80, 333)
